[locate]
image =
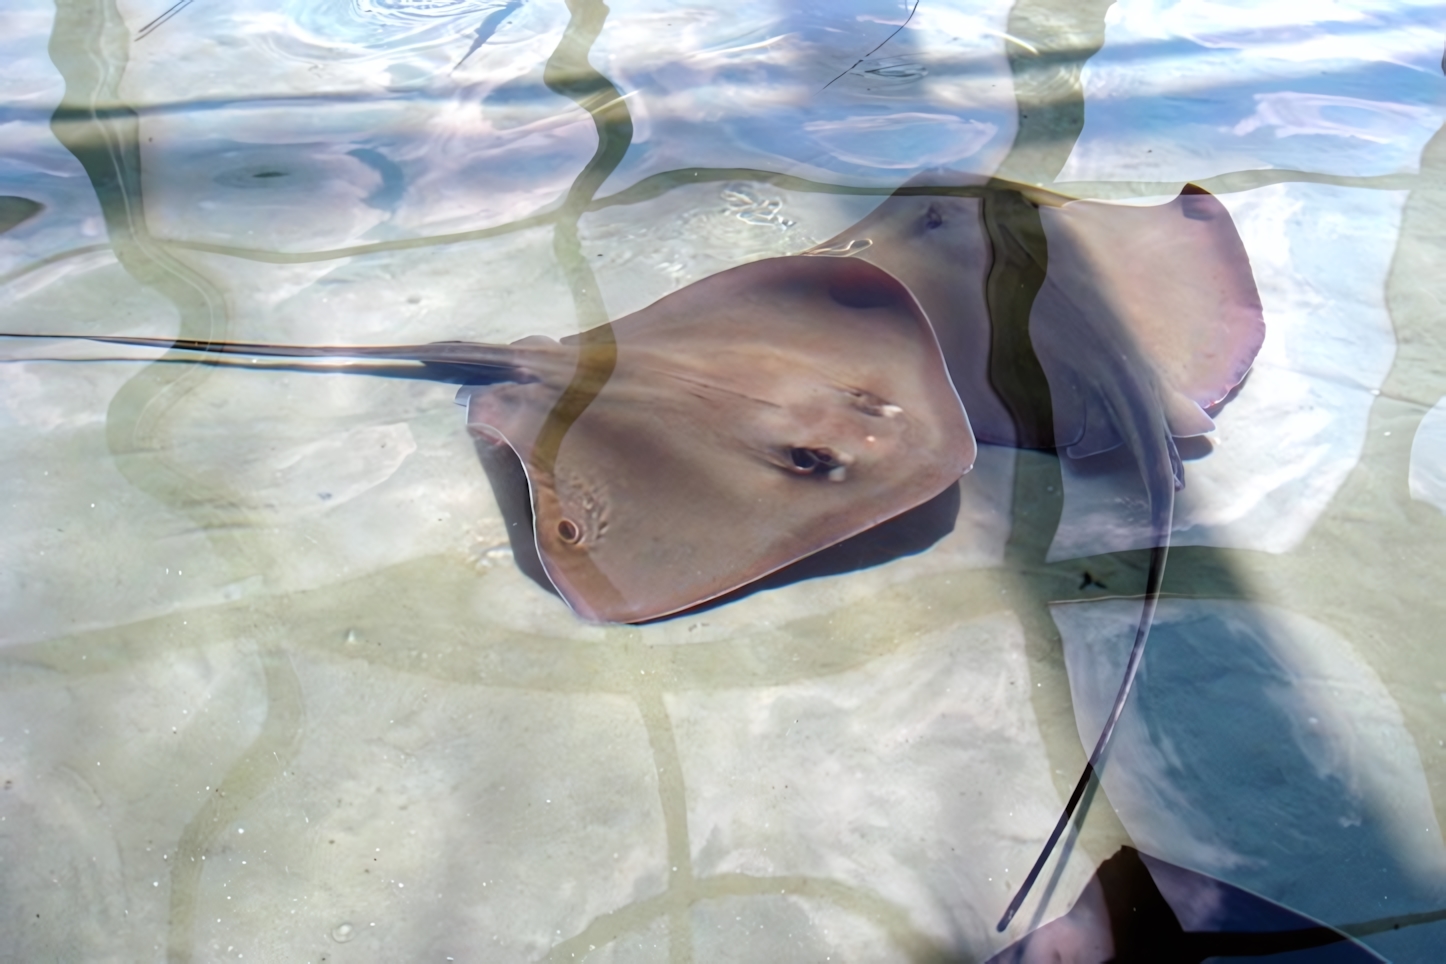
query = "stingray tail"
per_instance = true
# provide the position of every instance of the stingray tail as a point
(475, 361)
(1148, 437)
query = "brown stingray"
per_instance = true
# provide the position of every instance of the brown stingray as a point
(645, 441)
(1145, 317)
(721, 433)
(770, 411)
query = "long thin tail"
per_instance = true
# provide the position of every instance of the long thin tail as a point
(1153, 580)
(500, 361)
(1160, 467)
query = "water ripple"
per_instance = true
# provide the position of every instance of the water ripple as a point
(409, 12)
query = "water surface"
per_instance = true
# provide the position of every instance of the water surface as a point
(274, 688)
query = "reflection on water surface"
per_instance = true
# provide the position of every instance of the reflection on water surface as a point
(274, 687)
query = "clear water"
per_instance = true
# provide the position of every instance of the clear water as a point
(274, 689)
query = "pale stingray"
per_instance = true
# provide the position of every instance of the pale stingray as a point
(723, 432)
(1162, 295)
(1146, 316)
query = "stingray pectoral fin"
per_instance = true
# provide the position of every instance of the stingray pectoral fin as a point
(1166, 289)
(1177, 277)
(1185, 417)
(751, 419)
(517, 411)
(652, 512)
(938, 245)
(1077, 343)
(1065, 342)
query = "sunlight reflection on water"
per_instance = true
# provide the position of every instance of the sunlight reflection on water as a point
(288, 603)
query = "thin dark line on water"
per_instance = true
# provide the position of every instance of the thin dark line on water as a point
(151, 27)
(871, 52)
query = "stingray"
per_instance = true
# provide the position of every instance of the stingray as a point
(1138, 909)
(1145, 319)
(1148, 316)
(768, 412)
(725, 431)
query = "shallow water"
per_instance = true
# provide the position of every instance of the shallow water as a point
(275, 689)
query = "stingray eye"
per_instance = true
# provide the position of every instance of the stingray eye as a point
(805, 460)
(933, 218)
(819, 461)
(568, 532)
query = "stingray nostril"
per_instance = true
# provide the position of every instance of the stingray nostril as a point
(568, 531)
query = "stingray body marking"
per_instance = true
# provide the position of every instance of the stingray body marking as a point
(1145, 318)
